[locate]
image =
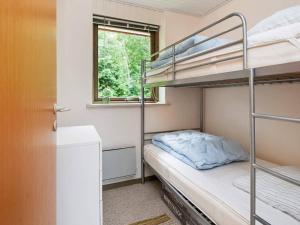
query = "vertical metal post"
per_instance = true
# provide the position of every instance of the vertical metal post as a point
(173, 61)
(202, 110)
(142, 120)
(253, 149)
(245, 42)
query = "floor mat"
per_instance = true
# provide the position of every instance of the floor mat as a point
(153, 221)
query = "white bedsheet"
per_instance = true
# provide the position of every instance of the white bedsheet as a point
(276, 192)
(212, 191)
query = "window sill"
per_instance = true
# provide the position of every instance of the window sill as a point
(126, 105)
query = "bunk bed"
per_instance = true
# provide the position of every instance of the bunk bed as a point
(206, 197)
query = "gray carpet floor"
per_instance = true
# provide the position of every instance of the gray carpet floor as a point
(129, 204)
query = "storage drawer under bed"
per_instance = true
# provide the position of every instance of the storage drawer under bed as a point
(186, 213)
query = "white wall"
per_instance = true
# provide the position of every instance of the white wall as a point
(227, 109)
(118, 126)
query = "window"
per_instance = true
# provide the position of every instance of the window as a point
(117, 63)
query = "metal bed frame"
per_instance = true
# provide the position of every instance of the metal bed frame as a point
(289, 72)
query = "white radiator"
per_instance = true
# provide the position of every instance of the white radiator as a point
(119, 162)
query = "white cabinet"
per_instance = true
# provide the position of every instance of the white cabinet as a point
(79, 176)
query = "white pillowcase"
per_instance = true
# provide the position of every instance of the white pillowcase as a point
(289, 33)
(281, 18)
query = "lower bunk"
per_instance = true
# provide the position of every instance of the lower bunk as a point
(204, 197)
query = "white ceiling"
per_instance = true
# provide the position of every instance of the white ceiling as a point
(191, 7)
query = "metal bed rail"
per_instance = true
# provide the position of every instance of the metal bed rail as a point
(167, 131)
(253, 164)
(172, 48)
(149, 135)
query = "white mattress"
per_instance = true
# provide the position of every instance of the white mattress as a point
(212, 190)
(269, 48)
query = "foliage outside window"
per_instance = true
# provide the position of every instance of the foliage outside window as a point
(119, 55)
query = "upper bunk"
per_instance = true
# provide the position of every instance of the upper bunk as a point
(224, 53)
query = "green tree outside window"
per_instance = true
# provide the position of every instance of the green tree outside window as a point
(119, 64)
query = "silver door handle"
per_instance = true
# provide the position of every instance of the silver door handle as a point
(57, 109)
(54, 125)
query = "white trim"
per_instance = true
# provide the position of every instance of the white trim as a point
(126, 105)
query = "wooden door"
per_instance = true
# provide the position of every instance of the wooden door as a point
(27, 95)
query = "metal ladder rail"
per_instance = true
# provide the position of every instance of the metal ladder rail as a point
(254, 166)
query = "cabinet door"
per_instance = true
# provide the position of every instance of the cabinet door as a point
(78, 185)
(27, 96)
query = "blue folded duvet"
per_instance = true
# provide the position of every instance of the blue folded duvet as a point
(185, 49)
(200, 150)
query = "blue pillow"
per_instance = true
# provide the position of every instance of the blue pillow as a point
(161, 62)
(173, 153)
(204, 46)
(203, 150)
(180, 48)
(184, 49)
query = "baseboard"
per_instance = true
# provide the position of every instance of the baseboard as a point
(127, 183)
